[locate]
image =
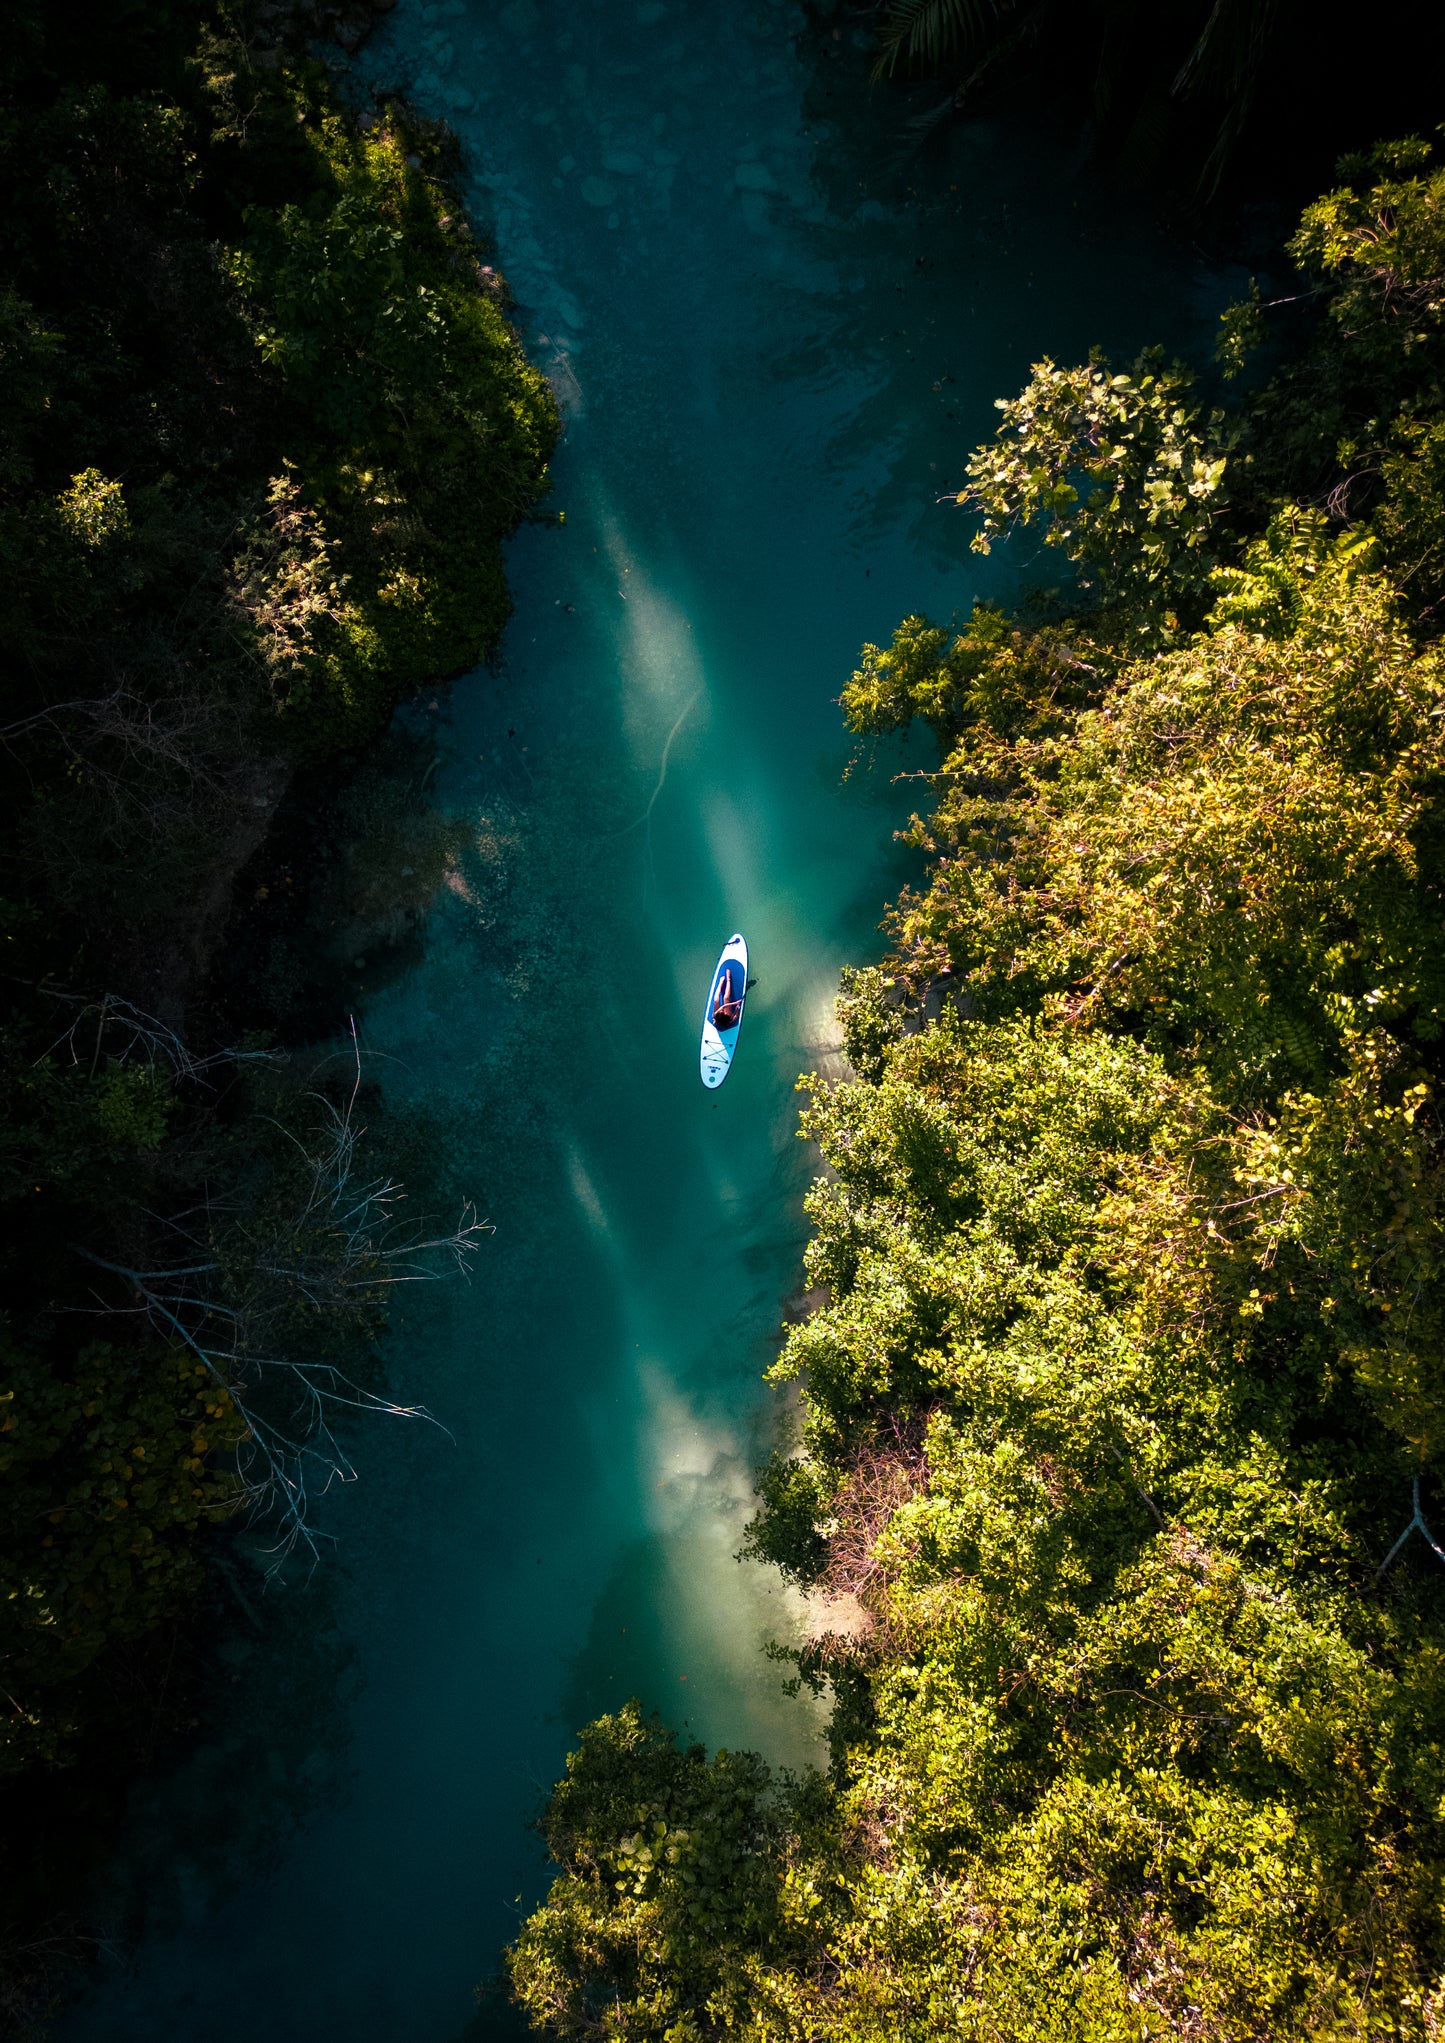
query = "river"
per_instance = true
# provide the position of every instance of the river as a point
(775, 338)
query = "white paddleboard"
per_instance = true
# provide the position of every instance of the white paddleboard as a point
(720, 1023)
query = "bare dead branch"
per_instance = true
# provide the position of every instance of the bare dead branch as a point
(1417, 1524)
(232, 1302)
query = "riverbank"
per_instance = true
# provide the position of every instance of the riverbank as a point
(1114, 1494)
(268, 426)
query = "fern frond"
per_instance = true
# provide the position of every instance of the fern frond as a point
(1227, 56)
(1229, 47)
(926, 32)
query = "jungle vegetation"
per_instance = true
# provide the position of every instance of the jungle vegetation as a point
(264, 426)
(1117, 1495)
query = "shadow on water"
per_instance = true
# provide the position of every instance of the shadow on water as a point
(277, 1722)
(252, 1706)
(496, 2019)
(643, 1642)
(335, 903)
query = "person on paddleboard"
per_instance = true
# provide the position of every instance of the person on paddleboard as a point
(727, 1007)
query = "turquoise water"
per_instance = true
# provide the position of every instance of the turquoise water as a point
(774, 348)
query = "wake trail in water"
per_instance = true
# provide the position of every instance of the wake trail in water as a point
(661, 781)
(644, 821)
(646, 816)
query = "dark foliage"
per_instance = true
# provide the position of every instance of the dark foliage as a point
(264, 426)
(1208, 100)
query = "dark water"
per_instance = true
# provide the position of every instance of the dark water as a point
(775, 349)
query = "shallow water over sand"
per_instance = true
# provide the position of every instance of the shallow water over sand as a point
(774, 350)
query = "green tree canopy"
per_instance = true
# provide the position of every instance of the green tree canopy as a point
(1117, 1483)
